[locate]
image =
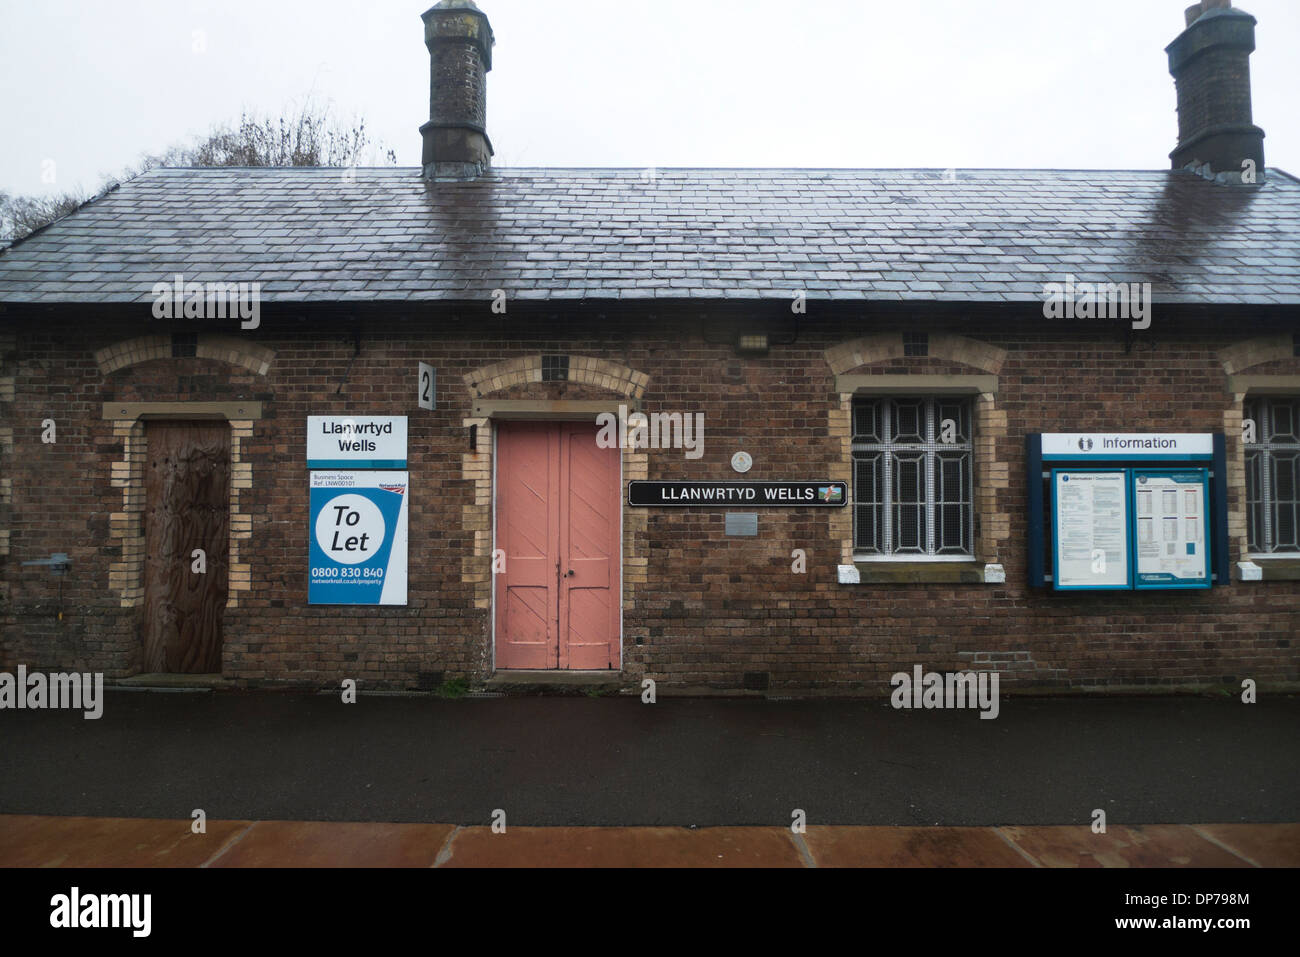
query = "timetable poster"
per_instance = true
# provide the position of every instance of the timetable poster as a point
(1170, 541)
(1091, 529)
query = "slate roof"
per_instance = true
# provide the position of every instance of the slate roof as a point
(310, 235)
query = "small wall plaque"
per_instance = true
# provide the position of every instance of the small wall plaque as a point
(742, 523)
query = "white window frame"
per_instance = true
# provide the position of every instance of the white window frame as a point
(1265, 448)
(930, 447)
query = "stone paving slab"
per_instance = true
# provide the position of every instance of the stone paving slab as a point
(41, 841)
(1160, 845)
(911, 847)
(1264, 845)
(36, 841)
(624, 847)
(332, 844)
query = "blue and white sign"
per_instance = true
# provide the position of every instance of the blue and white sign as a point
(358, 538)
(356, 442)
(1149, 446)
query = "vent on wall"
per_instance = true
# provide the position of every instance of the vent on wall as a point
(916, 344)
(555, 368)
(184, 345)
(757, 680)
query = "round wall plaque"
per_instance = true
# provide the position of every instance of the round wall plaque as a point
(742, 462)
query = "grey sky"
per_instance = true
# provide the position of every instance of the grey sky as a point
(931, 83)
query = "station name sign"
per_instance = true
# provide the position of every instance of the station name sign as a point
(1128, 445)
(748, 494)
(356, 441)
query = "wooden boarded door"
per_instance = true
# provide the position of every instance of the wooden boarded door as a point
(558, 601)
(187, 507)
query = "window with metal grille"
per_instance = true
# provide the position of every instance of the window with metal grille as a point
(1273, 475)
(555, 368)
(913, 494)
(184, 345)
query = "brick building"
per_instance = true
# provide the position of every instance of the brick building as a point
(879, 328)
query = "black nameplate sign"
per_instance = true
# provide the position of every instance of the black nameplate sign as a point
(748, 494)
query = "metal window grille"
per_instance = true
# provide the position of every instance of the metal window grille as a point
(916, 343)
(913, 492)
(555, 368)
(1273, 476)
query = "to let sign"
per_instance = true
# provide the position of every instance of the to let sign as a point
(748, 494)
(358, 537)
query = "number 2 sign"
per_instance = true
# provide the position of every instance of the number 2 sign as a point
(428, 395)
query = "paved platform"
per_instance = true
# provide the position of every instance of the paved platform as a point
(38, 841)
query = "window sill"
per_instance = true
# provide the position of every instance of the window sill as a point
(1272, 569)
(911, 573)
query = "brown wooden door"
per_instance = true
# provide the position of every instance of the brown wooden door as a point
(187, 507)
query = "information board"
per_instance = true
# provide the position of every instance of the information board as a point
(1171, 549)
(358, 538)
(1184, 546)
(1090, 529)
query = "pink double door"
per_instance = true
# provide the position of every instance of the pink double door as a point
(558, 506)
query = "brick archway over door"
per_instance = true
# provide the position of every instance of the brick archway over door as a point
(478, 466)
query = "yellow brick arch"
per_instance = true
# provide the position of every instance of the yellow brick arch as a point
(240, 352)
(1256, 351)
(587, 370)
(889, 345)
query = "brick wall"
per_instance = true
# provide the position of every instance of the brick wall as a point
(700, 609)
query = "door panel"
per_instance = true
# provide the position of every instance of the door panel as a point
(187, 506)
(589, 528)
(558, 512)
(527, 520)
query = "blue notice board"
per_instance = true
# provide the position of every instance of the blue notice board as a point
(1178, 540)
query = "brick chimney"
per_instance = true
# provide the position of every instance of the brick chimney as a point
(459, 38)
(1210, 62)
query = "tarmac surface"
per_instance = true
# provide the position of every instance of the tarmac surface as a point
(613, 761)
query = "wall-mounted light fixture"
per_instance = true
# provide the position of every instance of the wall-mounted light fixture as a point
(59, 565)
